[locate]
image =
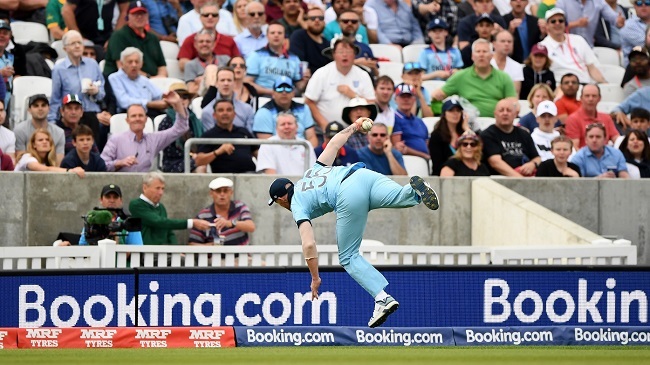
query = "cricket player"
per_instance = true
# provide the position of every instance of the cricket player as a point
(352, 191)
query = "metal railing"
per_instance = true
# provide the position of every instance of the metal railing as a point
(241, 141)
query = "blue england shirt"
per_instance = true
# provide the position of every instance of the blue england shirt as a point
(265, 66)
(440, 60)
(265, 117)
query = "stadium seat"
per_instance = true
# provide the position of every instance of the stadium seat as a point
(119, 125)
(102, 63)
(24, 87)
(411, 53)
(58, 47)
(484, 122)
(24, 32)
(611, 92)
(612, 73)
(430, 122)
(431, 85)
(416, 165)
(300, 100)
(173, 69)
(390, 52)
(524, 108)
(607, 106)
(608, 56)
(392, 70)
(262, 100)
(196, 106)
(163, 82)
(169, 49)
(49, 62)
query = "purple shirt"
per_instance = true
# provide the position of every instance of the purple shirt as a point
(124, 144)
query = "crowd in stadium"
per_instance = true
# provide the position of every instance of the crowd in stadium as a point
(481, 87)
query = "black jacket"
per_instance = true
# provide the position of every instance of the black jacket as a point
(534, 36)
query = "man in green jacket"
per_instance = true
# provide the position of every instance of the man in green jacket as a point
(157, 229)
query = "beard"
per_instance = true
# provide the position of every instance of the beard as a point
(317, 30)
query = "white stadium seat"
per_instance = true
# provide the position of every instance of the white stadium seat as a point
(392, 70)
(612, 73)
(390, 52)
(416, 165)
(611, 92)
(411, 53)
(24, 32)
(608, 56)
(524, 108)
(163, 82)
(431, 85)
(170, 49)
(430, 122)
(607, 106)
(58, 47)
(24, 87)
(173, 69)
(484, 122)
(196, 106)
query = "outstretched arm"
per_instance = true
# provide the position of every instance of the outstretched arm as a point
(311, 255)
(329, 154)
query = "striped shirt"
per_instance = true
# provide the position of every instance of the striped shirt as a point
(234, 237)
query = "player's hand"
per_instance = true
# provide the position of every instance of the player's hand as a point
(315, 284)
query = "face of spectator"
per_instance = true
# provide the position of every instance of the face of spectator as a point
(136, 117)
(546, 122)
(454, 115)
(74, 46)
(504, 114)
(538, 61)
(209, 17)
(377, 138)
(154, 191)
(468, 148)
(39, 109)
(641, 124)
(503, 43)
(518, 6)
(561, 151)
(3, 112)
(256, 15)
(90, 52)
(595, 139)
(349, 23)
(204, 45)
(570, 86)
(111, 200)
(239, 65)
(5, 37)
(340, 5)
(639, 65)
(643, 11)
(222, 196)
(405, 102)
(138, 20)
(635, 145)
(42, 143)
(344, 55)
(590, 97)
(482, 55)
(83, 143)
(438, 35)
(483, 6)
(383, 92)
(555, 25)
(132, 65)
(484, 29)
(224, 114)
(315, 21)
(286, 127)
(539, 96)
(413, 78)
(290, 7)
(71, 113)
(275, 34)
(225, 82)
(359, 112)
(283, 97)
(240, 9)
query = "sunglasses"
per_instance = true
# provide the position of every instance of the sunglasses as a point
(378, 134)
(283, 89)
(555, 21)
(410, 66)
(259, 13)
(469, 144)
(315, 18)
(206, 15)
(235, 65)
(641, 3)
(348, 21)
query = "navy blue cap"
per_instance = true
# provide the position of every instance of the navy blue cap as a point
(283, 80)
(451, 103)
(437, 23)
(484, 17)
(279, 188)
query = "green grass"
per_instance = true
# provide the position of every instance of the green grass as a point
(557, 355)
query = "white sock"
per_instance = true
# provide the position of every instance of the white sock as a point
(381, 296)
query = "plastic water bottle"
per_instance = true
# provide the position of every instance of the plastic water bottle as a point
(218, 238)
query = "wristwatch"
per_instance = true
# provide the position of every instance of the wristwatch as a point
(234, 223)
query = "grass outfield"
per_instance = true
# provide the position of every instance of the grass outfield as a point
(335, 355)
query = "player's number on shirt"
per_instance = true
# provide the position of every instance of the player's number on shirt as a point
(316, 178)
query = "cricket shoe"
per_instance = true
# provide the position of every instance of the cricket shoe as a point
(383, 308)
(428, 195)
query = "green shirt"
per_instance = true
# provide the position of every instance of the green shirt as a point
(157, 229)
(126, 37)
(484, 94)
(53, 14)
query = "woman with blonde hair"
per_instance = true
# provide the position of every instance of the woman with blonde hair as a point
(538, 93)
(239, 16)
(467, 159)
(41, 155)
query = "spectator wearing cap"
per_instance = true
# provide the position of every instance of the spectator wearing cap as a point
(384, 89)
(380, 155)
(640, 67)
(570, 53)
(135, 34)
(39, 107)
(309, 43)
(173, 154)
(358, 108)
(225, 83)
(272, 61)
(72, 113)
(466, 26)
(7, 136)
(412, 75)
(131, 88)
(635, 30)
(537, 71)
(481, 84)
(442, 142)
(539, 93)
(397, 25)
(94, 20)
(410, 135)
(501, 61)
(524, 28)
(583, 18)
(333, 86)
(485, 28)
(438, 60)
(467, 157)
(282, 102)
(223, 46)
(254, 36)
(232, 218)
(345, 156)
(134, 150)
(588, 114)
(287, 160)
(13, 61)
(546, 114)
(426, 11)
(191, 22)
(90, 51)
(80, 76)
(84, 151)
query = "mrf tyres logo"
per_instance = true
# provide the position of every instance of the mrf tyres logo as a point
(43, 337)
(152, 337)
(498, 308)
(3, 334)
(97, 337)
(206, 338)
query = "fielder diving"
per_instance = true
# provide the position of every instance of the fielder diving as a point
(351, 191)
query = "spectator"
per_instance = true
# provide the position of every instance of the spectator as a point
(39, 107)
(484, 27)
(163, 19)
(509, 150)
(537, 71)
(94, 20)
(501, 61)
(244, 91)
(358, 108)
(133, 150)
(231, 219)
(3, 89)
(223, 46)
(191, 23)
(636, 149)
(635, 30)
(481, 84)
(12, 58)
(397, 25)
(254, 36)
(412, 75)
(157, 229)
(195, 69)
(291, 16)
(174, 153)
(638, 99)
(224, 90)
(285, 159)
(544, 133)
(589, 114)
(467, 8)
(538, 94)
(6, 163)
(82, 155)
(384, 88)
(581, 61)
(71, 117)
(346, 156)
(239, 16)
(559, 165)
(90, 51)
(379, 155)
(639, 120)
(426, 11)
(596, 159)
(368, 18)
(81, 76)
(640, 67)
(334, 85)
(524, 28)
(438, 60)
(466, 160)
(445, 135)
(568, 103)
(282, 102)
(583, 18)
(7, 137)
(481, 9)
(225, 158)
(608, 35)
(131, 88)
(348, 27)
(410, 135)
(54, 20)
(40, 155)
(347, 24)
(135, 35)
(308, 44)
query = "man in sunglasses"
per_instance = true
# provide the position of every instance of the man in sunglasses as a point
(379, 155)
(308, 44)
(192, 21)
(633, 32)
(583, 17)
(254, 36)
